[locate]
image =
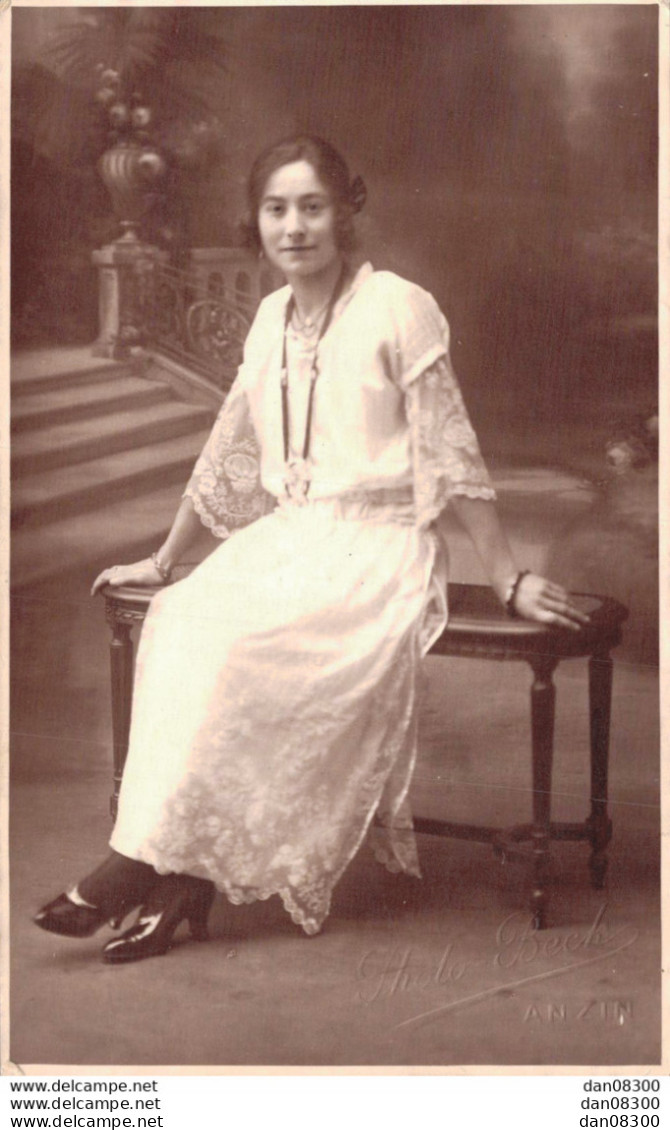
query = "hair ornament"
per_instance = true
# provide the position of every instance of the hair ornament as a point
(358, 193)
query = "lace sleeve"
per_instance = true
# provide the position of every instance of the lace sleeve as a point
(445, 452)
(225, 486)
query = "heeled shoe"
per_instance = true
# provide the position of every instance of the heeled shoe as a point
(117, 886)
(174, 899)
(71, 917)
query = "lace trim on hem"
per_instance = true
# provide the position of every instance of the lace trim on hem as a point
(311, 925)
(238, 896)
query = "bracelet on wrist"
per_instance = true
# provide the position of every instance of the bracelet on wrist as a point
(162, 570)
(510, 599)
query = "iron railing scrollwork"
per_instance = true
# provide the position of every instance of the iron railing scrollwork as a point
(185, 317)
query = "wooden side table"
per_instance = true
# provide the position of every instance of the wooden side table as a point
(478, 628)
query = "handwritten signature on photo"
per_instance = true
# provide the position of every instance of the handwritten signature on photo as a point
(519, 953)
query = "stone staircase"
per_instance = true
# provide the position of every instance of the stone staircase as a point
(99, 458)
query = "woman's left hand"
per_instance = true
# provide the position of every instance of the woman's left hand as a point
(540, 599)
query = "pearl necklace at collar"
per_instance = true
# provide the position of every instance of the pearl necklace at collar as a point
(307, 326)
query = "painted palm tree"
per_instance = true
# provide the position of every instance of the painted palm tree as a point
(142, 90)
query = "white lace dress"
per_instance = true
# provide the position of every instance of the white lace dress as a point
(274, 712)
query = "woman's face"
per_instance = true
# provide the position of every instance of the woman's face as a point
(296, 222)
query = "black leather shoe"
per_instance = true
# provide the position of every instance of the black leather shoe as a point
(69, 918)
(116, 887)
(174, 898)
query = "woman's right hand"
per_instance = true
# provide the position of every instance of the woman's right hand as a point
(140, 573)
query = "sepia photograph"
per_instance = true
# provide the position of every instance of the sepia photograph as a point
(334, 734)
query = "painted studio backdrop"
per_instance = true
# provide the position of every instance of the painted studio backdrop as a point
(510, 155)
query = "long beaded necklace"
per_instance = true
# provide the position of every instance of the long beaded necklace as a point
(297, 470)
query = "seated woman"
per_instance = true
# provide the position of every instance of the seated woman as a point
(274, 713)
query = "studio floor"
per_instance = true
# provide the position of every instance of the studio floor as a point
(434, 972)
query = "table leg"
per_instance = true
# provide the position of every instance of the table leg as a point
(600, 705)
(121, 658)
(542, 707)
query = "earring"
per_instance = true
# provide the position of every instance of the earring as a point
(358, 193)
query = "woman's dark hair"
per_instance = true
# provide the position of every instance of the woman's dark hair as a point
(332, 171)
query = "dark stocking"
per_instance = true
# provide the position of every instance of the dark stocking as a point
(117, 881)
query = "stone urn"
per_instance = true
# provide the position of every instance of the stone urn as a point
(131, 173)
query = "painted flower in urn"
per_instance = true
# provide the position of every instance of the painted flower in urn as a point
(141, 117)
(119, 115)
